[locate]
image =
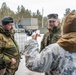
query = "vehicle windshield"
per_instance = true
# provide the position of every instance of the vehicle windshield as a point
(20, 26)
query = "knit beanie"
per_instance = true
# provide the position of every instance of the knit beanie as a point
(7, 20)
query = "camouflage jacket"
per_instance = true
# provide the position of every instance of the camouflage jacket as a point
(53, 59)
(50, 37)
(8, 49)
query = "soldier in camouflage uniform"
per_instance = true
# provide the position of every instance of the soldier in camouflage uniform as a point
(58, 58)
(54, 31)
(9, 52)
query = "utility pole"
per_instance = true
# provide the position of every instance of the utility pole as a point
(42, 16)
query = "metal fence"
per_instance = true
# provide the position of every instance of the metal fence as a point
(20, 39)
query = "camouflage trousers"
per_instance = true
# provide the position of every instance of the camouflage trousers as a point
(7, 72)
(10, 72)
(2, 71)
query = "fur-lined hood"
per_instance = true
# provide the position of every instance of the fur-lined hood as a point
(68, 39)
(69, 23)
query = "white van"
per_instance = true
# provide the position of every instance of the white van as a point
(19, 28)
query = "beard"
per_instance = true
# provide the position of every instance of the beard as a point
(54, 29)
(51, 27)
(6, 29)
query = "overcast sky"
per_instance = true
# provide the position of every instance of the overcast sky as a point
(49, 6)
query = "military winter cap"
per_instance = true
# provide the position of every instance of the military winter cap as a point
(69, 23)
(7, 20)
(52, 16)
